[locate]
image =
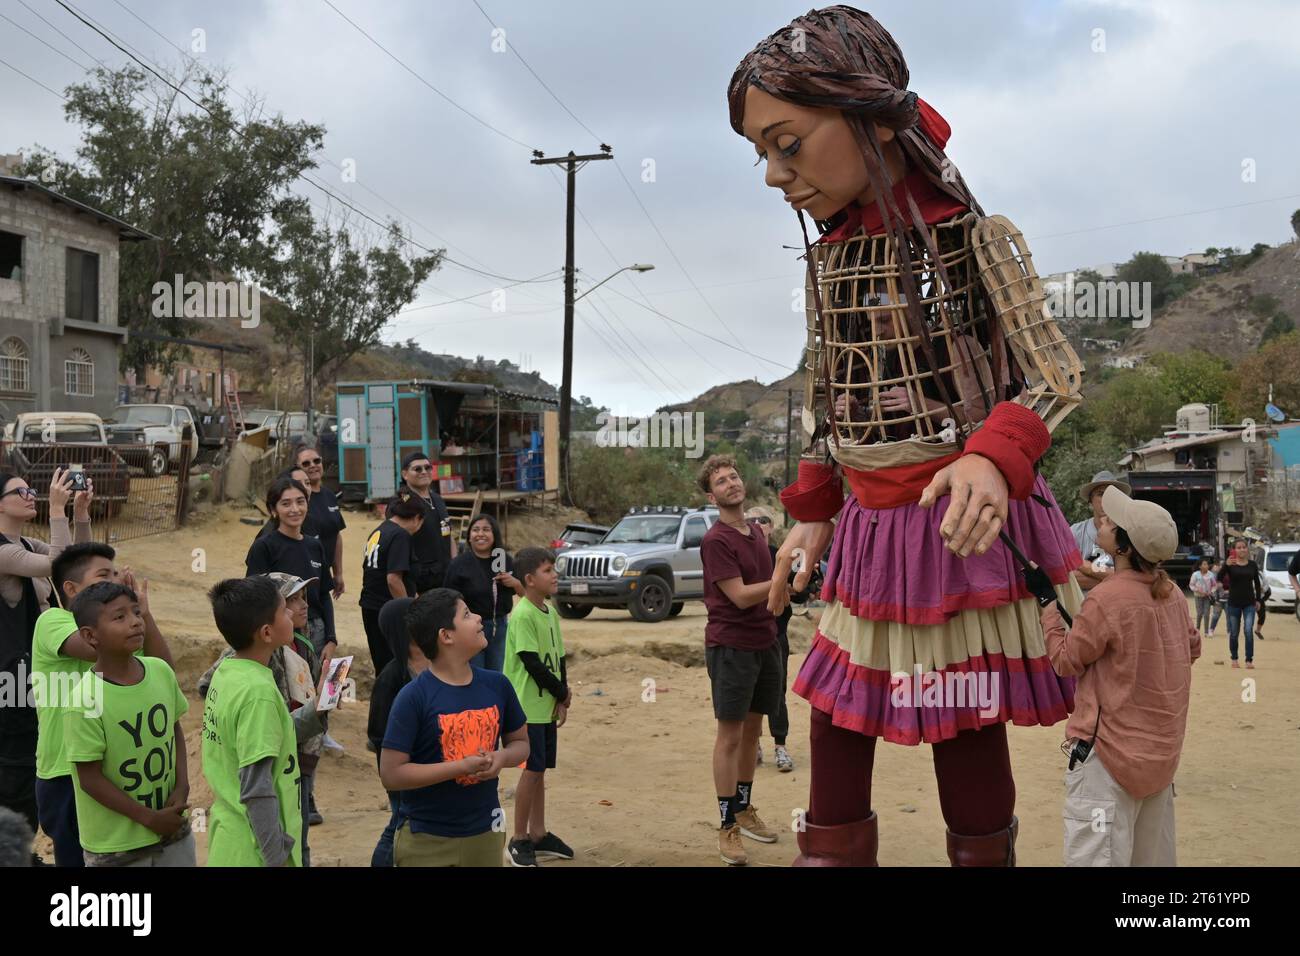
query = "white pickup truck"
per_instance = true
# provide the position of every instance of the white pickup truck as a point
(152, 436)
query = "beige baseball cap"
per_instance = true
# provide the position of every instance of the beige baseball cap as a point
(288, 584)
(1149, 527)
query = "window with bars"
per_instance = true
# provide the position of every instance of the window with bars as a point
(79, 373)
(15, 366)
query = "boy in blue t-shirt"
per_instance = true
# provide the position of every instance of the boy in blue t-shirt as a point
(440, 750)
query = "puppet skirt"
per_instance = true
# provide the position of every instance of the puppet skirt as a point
(917, 644)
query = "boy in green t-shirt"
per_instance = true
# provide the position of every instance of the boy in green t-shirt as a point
(60, 656)
(250, 751)
(536, 669)
(124, 740)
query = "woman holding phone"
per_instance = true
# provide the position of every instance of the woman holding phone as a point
(25, 590)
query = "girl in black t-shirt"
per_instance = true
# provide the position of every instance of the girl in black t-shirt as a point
(292, 551)
(1240, 577)
(484, 575)
(386, 570)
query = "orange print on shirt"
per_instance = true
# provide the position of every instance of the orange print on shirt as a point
(467, 733)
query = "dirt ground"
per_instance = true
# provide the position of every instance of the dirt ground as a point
(633, 786)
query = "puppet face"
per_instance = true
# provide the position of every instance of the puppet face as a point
(811, 154)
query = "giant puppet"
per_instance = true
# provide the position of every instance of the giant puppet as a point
(934, 376)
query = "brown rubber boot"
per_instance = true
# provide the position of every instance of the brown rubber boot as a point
(992, 849)
(848, 844)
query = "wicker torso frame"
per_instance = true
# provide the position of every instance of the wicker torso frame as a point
(989, 332)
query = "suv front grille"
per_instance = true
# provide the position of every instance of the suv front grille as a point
(581, 566)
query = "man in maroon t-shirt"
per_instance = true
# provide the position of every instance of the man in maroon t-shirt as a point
(741, 651)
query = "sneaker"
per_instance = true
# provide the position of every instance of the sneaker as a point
(1250, 665)
(313, 815)
(759, 762)
(1235, 665)
(783, 761)
(730, 846)
(329, 743)
(521, 852)
(551, 847)
(751, 825)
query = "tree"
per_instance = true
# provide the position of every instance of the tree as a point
(1194, 376)
(207, 182)
(1136, 406)
(1148, 267)
(1295, 223)
(1276, 365)
(338, 292)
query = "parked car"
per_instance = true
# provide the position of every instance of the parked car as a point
(576, 535)
(38, 443)
(1275, 559)
(153, 437)
(648, 563)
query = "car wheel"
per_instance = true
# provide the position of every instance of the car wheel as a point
(157, 462)
(573, 612)
(676, 608)
(653, 600)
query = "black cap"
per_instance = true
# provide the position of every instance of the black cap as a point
(414, 457)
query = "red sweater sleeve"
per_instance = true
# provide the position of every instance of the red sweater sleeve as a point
(1013, 437)
(816, 495)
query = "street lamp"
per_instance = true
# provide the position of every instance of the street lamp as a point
(635, 267)
(566, 382)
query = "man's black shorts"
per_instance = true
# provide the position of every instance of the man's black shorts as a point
(541, 747)
(744, 682)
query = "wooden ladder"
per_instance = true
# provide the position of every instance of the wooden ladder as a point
(234, 414)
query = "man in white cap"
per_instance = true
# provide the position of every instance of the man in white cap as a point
(1132, 645)
(1089, 574)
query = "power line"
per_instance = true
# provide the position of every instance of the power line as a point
(303, 176)
(1176, 215)
(626, 182)
(33, 79)
(398, 61)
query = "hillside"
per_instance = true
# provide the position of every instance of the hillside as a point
(1216, 316)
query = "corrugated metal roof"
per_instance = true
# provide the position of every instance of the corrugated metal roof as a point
(125, 229)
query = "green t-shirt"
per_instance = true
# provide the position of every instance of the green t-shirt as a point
(245, 720)
(54, 676)
(131, 732)
(536, 630)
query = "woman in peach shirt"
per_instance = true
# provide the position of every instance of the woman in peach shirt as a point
(1132, 645)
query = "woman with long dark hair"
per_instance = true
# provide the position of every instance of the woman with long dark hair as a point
(484, 575)
(25, 590)
(292, 551)
(1240, 577)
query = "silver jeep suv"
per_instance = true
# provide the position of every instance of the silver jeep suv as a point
(648, 563)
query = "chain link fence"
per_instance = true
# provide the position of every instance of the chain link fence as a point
(136, 491)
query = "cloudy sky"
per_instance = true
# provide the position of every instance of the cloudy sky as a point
(1101, 127)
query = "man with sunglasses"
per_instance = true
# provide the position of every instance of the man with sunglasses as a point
(434, 544)
(323, 509)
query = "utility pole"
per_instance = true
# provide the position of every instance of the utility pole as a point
(566, 382)
(789, 414)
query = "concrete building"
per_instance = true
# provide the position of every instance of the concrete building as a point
(59, 334)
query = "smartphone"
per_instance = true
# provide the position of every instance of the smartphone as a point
(78, 475)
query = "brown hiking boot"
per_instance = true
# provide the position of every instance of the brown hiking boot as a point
(731, 847)
(992, 849)
(752, 826)
(848, 844)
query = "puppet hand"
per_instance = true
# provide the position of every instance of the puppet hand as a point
(978, 508)
(802, 552)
